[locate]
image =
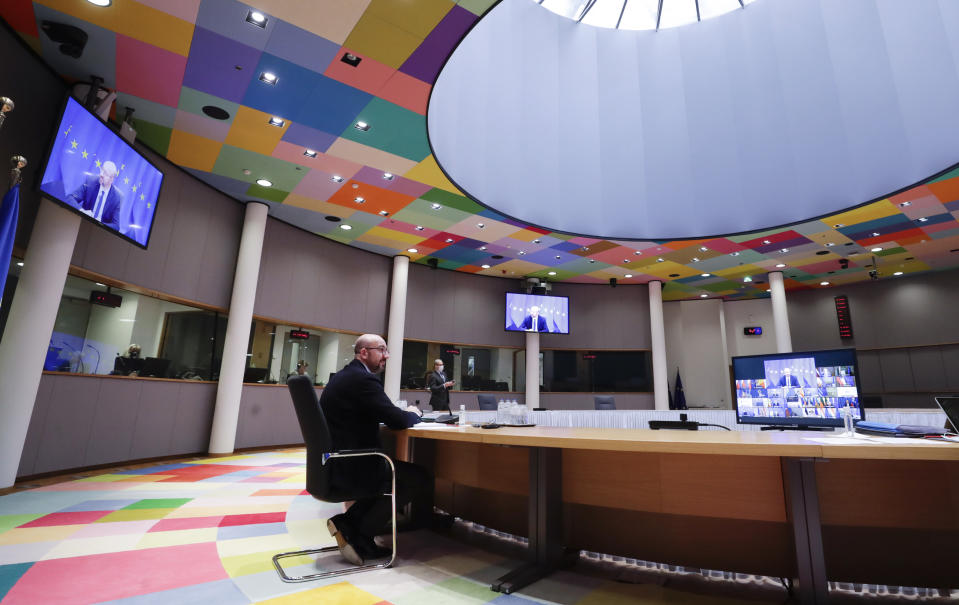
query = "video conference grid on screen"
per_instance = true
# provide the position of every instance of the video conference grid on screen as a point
(537, 313)
(798, 388)
(94, 172)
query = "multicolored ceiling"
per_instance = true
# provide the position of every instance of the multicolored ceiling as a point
(170, 59)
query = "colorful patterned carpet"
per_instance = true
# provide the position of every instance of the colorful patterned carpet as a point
(204, 532)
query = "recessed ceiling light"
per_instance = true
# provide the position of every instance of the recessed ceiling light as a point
(419, 227)
(830, 244)
(351, 59)
(275, 121)
(923, 219)
(435, 206)
(264, 183)
(535, 241)
(247, 171)
(898, 273)
(876, 249)
(253, 17)
(784, 250)
(384, 213)
(780, 265)
(628, 275)
(482, 247)
(660, 260)
(412, 250)
(449, 240)
(388, 176)
(735, 254)
(625, 260)
(637, 253)
(345, 227)
(591, 261)
(359, 200)
(336, 178)
(522, 252)
(875, 234)
(705, 275)
(838, 225)
(695, 259)
(361, 126)
(485, 266)
(269, 77)
(747, 279)
(100, 2)
(558, 257)
(767, 242)
(309, 153)
(703, 249)
(551, 273)
(480, 225)
(704, 296)
(823, 283)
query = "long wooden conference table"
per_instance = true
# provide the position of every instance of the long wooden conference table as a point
(803, 505)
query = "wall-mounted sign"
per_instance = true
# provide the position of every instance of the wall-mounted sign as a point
(299, 335)
(753, 331)
(107, 299)
(453, 351)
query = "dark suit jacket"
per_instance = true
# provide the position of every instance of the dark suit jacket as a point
(540, 323)
(793, 381)
(85, 197)
(439, 394)
(354, 405)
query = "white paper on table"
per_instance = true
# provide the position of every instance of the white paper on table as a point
(434, 425)
(860, 440)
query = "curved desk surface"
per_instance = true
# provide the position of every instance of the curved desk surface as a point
(808, 505)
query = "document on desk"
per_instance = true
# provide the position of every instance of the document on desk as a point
(434, 426)
(859, 440)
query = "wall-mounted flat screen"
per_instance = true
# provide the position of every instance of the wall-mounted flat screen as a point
(92, 171)
(537, 313)
(808, 388)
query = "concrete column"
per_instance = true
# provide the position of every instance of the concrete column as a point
(230, 386)
(532, 370)
(397, 326)
(657, 333)
(26, 338)
(784, 342)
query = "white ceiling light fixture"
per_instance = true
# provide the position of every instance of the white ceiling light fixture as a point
(704, 296)
(436, 206)
(628, 275)
(898, 273)
(484, 266)
(388, 176)
(412, 250)
(277, 121)
(780, 265)
(100, 2)
(876, 249)
(269, 78)
(336, 178)
(309, 153)
(264, 183)
(823, 283)
(345, 227)
(551, 273)
(361, 126)
(253, 17)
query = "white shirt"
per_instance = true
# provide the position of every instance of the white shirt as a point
(98, 204)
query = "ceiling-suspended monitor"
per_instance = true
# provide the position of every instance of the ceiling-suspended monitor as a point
(537, 313)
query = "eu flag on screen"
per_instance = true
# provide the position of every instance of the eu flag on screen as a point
(9, 210)
(680, 399)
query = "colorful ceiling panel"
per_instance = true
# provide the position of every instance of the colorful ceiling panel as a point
(193, 71)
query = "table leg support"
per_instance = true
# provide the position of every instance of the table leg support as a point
(803, 500)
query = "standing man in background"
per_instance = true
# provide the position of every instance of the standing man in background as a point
(439, 387)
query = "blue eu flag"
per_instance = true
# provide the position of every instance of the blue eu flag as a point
(9, 210)
(680, 399)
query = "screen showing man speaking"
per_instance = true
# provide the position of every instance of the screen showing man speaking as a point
(537, 313)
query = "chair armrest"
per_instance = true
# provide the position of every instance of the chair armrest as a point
(358, 453)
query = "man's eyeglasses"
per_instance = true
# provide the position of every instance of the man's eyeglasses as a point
(381, 348)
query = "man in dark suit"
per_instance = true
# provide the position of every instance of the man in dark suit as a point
(787, 379)
(354, 405)
(439, 387)
(534, 322)
(99, 198)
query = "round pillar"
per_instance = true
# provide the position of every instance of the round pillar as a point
(777, 292)
(657, 332)
(396, 328)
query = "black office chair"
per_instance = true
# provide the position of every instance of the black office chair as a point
(486, 402)
(319, 458)
(604, 402)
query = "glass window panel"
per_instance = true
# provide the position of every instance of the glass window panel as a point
(605, 13)
(677, 12)
(567, 8)
(712, 8)
(640, 14)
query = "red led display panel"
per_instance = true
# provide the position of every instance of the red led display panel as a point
(843, 316)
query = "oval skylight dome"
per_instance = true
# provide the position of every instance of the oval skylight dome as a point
(641, 14)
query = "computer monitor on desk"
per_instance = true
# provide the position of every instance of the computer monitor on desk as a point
(950, 405)
(155, 366)
(124, 366)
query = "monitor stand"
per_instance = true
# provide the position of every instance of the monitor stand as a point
(795, 427)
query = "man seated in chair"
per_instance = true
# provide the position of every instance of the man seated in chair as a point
(355, 404)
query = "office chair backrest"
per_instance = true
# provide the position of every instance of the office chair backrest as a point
(604, 402)
(316, 433)
(486, 402)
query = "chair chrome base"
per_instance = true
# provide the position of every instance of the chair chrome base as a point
(326, 574)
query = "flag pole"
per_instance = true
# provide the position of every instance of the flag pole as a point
(6, 105)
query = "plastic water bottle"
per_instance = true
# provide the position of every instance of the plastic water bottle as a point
(462, 419)
(848, 421)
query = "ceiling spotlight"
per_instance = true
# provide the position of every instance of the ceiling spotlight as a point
(20, 264)
(351, 59)
(384, 213)
(359, 200)
(419, 227)
(784, 250)
(100, 2)
(361, 126)
(99, 284)
(876, 249)
(480, 225)
(336, 178)
(898, 273)
(628, 275)
(735, 254)
(435, 206)
(705, 275)
(747, 279)
(625, 260)
(660, 260)
(838, 226)
(830, 244)
(485, 266)
(695, 259)
(412, 250)
(558, 257)
(767, 242)
(637, 253)
(388, 176)
(482, 247)
(875, 234)
(551, 273)
(780, 265)
(345, 227)
(704, 296)
(247, 171)
(591, 261)
(823, 283)
(904, 204)
(269, 77)
(923, 219)
(253, 17)
(449, 240)
(275, 121)
(264, 183)
(522, 252)
(535, 241)
(309, 153)
(703, 249)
